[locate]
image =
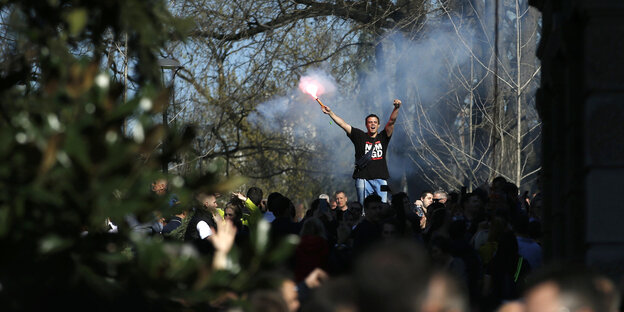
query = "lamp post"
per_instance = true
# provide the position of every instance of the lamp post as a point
(175, 66)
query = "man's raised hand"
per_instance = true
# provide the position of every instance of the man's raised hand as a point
(326, 109)
(396, 103)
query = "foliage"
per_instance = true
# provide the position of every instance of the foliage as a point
(253, 52)
(242, 54)
(66, 165)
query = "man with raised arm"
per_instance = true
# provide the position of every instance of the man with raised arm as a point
(371, 171)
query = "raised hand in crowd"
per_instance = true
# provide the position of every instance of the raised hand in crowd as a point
(239, 196)
(316, 278)
(222, 240)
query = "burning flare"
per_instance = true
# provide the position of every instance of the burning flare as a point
(312, 87)
(311, 90)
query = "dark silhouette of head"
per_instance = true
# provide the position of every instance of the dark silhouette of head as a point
(391, 277)
(255, 195)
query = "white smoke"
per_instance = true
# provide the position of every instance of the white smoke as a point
(413, 71)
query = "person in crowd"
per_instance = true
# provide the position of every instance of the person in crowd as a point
(492, 231)
(160, 186)
(341, 253)
(473, 210)
(461, 248)
(392, 276)
(252, 209)
(528, 248)
(319, 208)
(368, 231)
(171, 223)
(426, 199)
(292, 293)
(535, 209)
(356, 208)
(535, 218)
(438, 221)
(233, 211)
(325, 197)
(443, 259)
(266, 213)
(445, 294)
(512, 306)
(512, 202)
(440, 196)
(174, 222)
(400, 208)
(506, 273)
(341, 204)
(175, 227)
(333, 203)
(497, 186)
(572, 288)
(222, 242)
(371, 173)
(313, 250)
(152, 224)
(203, 223)
(336, 295)
(390, 229)
(453, 205)
(351, 218)
(300, 212)
(284, 210)
(267, 300)
(279, 282)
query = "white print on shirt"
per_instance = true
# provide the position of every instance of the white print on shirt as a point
(377, 152)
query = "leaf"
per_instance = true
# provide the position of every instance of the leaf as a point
(81, 79)
(76, 147)
(161, 102)
(53, 243)
(284, 249)
(77, 20)
(5, 222)
(49, 155)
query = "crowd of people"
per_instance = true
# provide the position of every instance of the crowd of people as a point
(443, 251)
(457, 251)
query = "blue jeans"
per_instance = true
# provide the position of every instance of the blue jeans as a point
(365, 187)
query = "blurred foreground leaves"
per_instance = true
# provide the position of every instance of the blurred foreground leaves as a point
(66, 165)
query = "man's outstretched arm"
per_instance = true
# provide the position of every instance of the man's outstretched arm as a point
(339, 121)
(393, 117)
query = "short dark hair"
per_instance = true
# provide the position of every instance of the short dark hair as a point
(425, 192)
(371, 200)
(371, 115)
(355, 207)
(399, 270)
(254, 193)
(280, 205)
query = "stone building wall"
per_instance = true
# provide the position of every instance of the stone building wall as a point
(581, 103)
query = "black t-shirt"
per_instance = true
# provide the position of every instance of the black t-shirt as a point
(362, 142)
